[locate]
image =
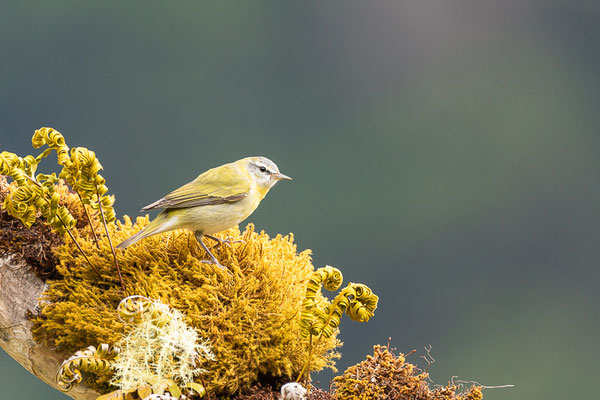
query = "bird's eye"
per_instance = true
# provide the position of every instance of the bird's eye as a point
(263, 169)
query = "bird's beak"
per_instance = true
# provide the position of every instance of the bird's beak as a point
(280, 176)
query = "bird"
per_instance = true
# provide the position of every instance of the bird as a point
(216, 200)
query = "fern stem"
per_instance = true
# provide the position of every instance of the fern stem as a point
(310, 352)
(80, 249)
(90, 222)
(110, 241)
(333, 308)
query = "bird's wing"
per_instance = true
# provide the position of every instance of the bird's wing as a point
(224, 184)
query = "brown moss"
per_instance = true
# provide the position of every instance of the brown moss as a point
(251, 316)
(257, 393)
(385, 375)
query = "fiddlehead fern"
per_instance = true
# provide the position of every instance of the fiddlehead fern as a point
(134, 309)
(356, 300)
(80, 170)
(331, 279)
(92, 359)
(33, 194)
(362, 302)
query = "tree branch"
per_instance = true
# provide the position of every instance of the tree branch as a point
(20, 289)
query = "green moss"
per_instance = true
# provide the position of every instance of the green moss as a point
(250, 316)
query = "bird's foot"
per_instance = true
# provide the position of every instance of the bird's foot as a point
(213, 260)
(220, 241)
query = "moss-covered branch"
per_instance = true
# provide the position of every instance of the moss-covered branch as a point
(264, 320)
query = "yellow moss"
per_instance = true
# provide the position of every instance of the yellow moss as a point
(385, 375)
(251, 317)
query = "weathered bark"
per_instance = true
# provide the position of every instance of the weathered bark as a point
(20, 289)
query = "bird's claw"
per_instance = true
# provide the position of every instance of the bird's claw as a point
(220, 241)
(232, 240)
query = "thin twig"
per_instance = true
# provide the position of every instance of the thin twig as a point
(459, 381)
(33, 180)
(109, 240)
(89, 221)
(428, 358)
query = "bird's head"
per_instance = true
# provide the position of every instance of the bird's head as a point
(263, 172)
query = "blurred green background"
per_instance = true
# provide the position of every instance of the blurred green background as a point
(445, 153)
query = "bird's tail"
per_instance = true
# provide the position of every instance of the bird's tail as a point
(158, 225)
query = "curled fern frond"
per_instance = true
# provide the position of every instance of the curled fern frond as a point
(20, 204)
(10, 165)
(55, 141)
(82, 173)
(80, 169)
(131, 309)
(20, 169)
(356, 299)
(34, 195)
(48, 203)
(134, 309)
(362, 302)
(92, 359)
(331, 279)
(38, 193)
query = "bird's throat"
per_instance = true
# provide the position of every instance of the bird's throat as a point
(262, 191)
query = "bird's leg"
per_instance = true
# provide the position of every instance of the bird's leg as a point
(198, 235)
(221, 241)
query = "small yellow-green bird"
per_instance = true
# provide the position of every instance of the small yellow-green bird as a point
(216, 200)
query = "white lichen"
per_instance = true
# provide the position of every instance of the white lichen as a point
(161, 349)
(292, 391)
